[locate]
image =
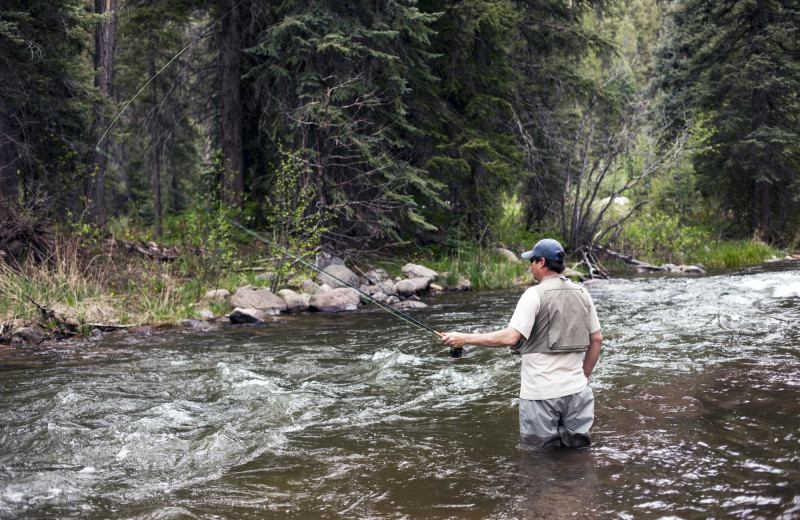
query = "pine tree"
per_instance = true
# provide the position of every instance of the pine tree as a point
(738, 62)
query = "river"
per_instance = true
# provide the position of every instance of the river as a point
(359, 415)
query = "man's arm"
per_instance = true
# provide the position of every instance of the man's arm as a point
(499, 338)
(592, 353)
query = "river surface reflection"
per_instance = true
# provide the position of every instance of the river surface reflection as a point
(358, 415)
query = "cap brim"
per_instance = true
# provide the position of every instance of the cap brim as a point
(529, 254)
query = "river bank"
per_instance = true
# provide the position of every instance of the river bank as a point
(139, 288)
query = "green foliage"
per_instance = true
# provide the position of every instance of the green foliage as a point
(294, 222)
(659, 238)
(734, 253)
(209, 241)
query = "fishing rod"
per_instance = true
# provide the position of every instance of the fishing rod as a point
(454, 352)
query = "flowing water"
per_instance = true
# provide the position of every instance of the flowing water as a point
(358, 415)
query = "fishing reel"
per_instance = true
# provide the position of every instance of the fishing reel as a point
(457, 352)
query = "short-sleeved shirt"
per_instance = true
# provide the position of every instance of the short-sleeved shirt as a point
(544, 375)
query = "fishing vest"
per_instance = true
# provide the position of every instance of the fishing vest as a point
(562, 323)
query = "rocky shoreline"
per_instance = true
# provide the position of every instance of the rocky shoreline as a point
(252, 304)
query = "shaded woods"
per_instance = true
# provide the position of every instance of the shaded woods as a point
(640, 126)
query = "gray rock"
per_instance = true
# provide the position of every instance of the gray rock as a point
(690, 269)
(26, 335)
(219, 295)
(406, 287)
(251, 315)
(409, 305)
(376, 276)
(436, 288)
(381, 297)
(310, 287)
(294, 302)
(335, 300)
(195, 324)
(507, 255)
(464, 285)
(415, 271)
(261, 298)
(325, 259)
(342, 273)
(421, 284)
(387, 287)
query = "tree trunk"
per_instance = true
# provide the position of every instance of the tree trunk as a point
(8, 174)
(231, 116)
(105, 43)
(155, 164)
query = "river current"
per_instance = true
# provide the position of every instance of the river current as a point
(359, 415)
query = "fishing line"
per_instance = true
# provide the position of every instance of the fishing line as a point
(396, 312)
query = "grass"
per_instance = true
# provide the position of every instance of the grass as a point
(734, 253)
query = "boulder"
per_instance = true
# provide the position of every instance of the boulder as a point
(195, 324)
(27, 335)
(381, 297)
(410, 305)
(247, 316)
(335, 300)
(421, 284)
(376, 276)
(464, 284)
(341, 272)
(419, 271)
(387, 287)
(406, 287)
(218, 295)
(261, 298)
(507, 255)
(690, 269)
(325, 259)
(310, 287)
(294, 302)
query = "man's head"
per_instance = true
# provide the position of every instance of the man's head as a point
(549, 251)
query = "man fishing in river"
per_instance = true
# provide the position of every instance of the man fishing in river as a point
(556, 330)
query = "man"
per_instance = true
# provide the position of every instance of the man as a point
(556, 330)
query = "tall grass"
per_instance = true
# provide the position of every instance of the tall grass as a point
(60, 281)
(733, 253)
(485, 269)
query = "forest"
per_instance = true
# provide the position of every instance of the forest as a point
(645, 126)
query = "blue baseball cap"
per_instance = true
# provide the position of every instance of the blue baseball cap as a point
(548, 249)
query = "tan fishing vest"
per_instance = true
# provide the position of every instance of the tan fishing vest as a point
(562, 323)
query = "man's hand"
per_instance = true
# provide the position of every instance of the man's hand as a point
(454, 339)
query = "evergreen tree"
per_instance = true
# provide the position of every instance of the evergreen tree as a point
(738, 62)
(44, 96)
(334, 81)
